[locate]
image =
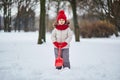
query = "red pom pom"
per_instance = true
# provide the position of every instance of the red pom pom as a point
(61, 12)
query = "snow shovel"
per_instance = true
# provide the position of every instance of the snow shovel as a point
(59, 59)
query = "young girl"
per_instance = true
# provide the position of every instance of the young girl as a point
(61, 37)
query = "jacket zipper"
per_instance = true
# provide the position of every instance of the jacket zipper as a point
(61, 36)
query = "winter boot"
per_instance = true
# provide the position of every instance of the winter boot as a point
(66, 65)
(59, 68)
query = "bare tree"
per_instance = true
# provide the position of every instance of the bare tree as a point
(25, 18)
(110, 10)
(7, 14)
(42, 28)
(75, 20)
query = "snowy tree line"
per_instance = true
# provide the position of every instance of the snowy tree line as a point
(24, 17)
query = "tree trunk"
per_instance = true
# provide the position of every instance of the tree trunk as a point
(7, 15)
(76, 26)
(58, 6)
(42, 29)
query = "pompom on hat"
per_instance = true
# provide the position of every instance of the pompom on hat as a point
(61, 15)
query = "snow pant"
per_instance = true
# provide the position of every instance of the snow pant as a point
(64, 55)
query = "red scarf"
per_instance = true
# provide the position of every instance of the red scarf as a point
(61, 27)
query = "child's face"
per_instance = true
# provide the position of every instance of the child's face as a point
(61, 21)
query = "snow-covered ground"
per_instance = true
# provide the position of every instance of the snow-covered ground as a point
(21, 58)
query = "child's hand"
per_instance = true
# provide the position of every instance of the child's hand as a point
(63, 44)
(60, 45)
(56, 44)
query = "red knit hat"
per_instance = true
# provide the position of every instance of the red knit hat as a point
(61, 15)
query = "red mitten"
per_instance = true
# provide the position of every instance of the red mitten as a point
(63, 44)
(56, 44)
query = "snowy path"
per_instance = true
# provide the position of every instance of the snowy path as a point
(91, 59)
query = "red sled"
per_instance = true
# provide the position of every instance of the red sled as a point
(59, 60)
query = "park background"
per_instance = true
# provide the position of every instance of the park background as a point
(26, 49)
